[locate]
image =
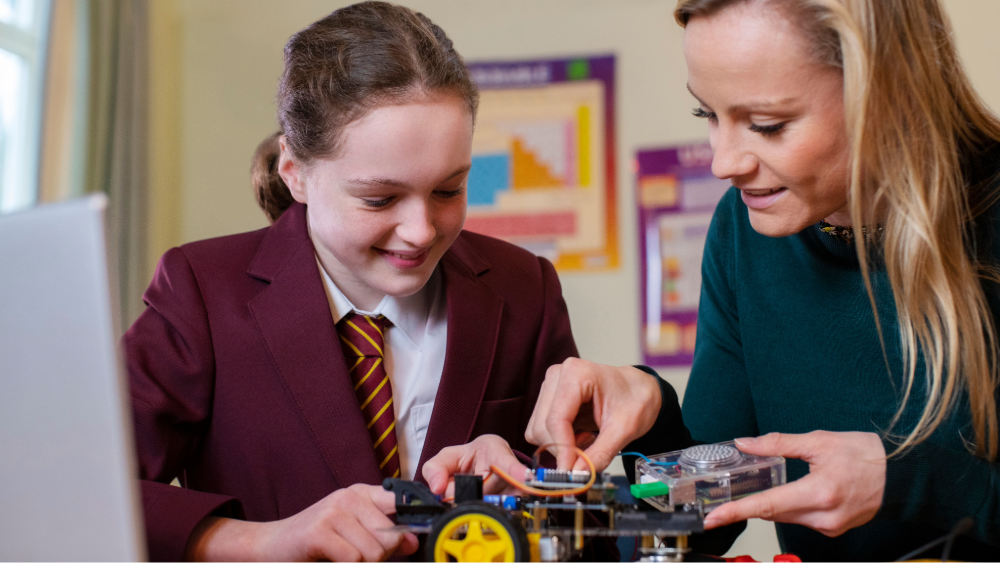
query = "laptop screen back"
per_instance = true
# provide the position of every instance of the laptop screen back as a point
(67, 469)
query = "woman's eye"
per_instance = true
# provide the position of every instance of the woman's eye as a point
(376, 202)
(767, 130)
(709, 115)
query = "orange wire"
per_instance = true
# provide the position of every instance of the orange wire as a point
(546, 492)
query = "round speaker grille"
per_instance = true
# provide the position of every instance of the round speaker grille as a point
(709, 456)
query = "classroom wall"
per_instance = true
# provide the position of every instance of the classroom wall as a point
(230, 61)
(215, 66)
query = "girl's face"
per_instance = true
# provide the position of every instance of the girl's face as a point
(775, 116)
(388, 206)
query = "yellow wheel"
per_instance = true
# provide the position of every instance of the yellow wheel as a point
(477, 531)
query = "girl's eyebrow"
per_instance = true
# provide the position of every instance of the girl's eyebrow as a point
(379, 181)
(461, 170)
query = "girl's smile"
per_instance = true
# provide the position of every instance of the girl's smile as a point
(384, 209)
(405, 260)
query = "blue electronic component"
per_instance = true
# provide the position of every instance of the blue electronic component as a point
(508, 502)
(562, 476)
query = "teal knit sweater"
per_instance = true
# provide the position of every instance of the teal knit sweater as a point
(787, 343)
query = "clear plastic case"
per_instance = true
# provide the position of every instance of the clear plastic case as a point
(706, 476)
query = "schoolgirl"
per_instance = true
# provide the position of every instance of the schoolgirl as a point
(281, 374)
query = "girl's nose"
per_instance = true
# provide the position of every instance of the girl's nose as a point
(417, 228)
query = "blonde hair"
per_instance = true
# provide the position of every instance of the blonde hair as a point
(919, 134)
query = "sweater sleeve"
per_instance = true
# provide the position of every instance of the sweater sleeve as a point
(718, 383)
(170, 361)
(938, 486)
(555, 344)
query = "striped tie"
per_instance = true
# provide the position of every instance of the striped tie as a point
(362, 340)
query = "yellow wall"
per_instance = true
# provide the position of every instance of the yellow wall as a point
(165, 113)
(216, 65)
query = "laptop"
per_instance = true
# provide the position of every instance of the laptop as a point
(67, 467)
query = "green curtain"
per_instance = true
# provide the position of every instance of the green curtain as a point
(117, 138)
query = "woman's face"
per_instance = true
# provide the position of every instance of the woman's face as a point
(388, 206)
(775, 117)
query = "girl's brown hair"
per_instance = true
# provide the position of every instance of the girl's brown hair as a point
(343, 66)
(923, 165)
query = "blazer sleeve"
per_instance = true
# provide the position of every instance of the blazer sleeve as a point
(170, 362)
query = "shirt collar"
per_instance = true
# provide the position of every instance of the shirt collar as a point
(409, 314)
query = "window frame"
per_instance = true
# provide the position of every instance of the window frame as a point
(29, 43)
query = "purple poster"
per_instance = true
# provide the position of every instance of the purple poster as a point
(676, 194)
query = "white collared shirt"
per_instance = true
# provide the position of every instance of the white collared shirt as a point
(414, 357)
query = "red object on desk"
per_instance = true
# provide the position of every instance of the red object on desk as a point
(780, 558)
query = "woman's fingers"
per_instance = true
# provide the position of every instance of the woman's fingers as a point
(551, 422)
(622, 403)
(843, 489)
(797, 446)
(772, 504)
(573, 392)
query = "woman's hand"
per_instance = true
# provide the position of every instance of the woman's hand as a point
(843, 489)
(348, 525)
(579, 398)
(476, 457)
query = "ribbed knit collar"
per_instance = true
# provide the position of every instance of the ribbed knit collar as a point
(840, 249)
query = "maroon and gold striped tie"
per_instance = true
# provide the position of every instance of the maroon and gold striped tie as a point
(362, 339)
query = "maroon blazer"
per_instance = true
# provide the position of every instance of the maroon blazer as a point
(240, 389)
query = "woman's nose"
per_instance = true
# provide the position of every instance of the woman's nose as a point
(731, 159)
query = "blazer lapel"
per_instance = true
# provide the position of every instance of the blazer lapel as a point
(293, 316)
(474, 313)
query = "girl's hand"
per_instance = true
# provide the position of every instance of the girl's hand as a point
(476, 457)
(843, 489)
(348, 525)
(579, 397)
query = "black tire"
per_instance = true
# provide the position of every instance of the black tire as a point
(511, 525)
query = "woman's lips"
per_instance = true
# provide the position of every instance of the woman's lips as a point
(405, 260)
(761, 199)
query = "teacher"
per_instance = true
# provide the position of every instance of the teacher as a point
(848, 313)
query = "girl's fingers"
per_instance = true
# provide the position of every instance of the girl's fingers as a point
(439, 469)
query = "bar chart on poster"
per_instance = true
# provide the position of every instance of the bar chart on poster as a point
(543, 159)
